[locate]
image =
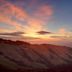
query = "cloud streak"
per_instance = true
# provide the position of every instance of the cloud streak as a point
(13, 34)
(44, 32)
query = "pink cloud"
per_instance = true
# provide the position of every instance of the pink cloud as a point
(8, 10)
(34, 23)
(62, 30)
(41, 15)
(43, 11)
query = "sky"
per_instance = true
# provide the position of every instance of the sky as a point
(36, 21)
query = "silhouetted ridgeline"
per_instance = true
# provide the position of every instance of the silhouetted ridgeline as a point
(14, 42)
(26, 43)
(19, 56)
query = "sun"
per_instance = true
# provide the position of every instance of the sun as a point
(35, 35)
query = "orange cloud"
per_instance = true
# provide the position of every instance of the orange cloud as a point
(3, 30)
(40, 16)
(34, 23)
(62, 34)
(62, 30)
(7, 20)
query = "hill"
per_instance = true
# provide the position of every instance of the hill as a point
(22, 56)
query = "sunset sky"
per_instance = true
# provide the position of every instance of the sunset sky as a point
(36, 21)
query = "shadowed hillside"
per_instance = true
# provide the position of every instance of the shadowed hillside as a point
(21, 56)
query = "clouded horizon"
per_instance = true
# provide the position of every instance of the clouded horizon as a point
(36, 21)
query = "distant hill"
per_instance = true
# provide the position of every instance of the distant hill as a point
(23, 56)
